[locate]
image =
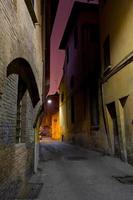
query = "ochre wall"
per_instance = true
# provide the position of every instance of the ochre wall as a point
(56, 127)
(116, 19)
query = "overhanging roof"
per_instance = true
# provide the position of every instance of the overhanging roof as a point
(54, 6)
(77, 8)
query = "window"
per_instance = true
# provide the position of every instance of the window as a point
(62, 97)
(75, 37)
(67, 55)
(106, 52)
(85, 36)
(18, 127)
(72, 110)
(21, 112)
(90, 34)
(94, 105)
(90, 47)
(72, 82)
(103, 3)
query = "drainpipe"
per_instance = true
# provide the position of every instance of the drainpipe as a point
(36, 139)
(36, 152)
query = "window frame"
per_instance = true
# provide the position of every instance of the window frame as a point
(67, 55)
(106, 52)
(72, 110)
(76, 37)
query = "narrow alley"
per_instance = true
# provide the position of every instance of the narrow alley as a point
(73, 173)
(66, 100)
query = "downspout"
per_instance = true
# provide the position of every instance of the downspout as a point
(36, 137)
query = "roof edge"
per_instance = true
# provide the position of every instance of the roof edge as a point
(77, 7)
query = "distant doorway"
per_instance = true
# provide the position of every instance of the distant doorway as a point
(113, 128)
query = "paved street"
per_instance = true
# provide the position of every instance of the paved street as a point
(72, 173)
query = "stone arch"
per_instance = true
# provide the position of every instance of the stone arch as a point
(26, 79)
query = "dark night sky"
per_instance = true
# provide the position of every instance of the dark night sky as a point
(57, 56)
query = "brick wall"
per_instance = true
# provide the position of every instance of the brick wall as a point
(19, 38)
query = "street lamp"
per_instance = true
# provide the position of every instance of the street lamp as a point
(49, 101)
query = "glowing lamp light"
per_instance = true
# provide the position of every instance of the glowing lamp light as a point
(49, 101)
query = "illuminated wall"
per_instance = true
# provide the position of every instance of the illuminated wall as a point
(46, 125)
(56, 127)
(116, 18)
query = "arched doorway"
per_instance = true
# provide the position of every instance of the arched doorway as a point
(26, 86)
(26, 79)
(19, 96)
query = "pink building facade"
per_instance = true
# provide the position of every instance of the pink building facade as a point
(80, 118)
